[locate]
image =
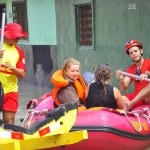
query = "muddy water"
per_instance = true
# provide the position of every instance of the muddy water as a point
(28, 92)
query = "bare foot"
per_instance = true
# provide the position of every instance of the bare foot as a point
(128, 106)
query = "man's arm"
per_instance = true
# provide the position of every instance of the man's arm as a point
(124, 81)
(17, 71)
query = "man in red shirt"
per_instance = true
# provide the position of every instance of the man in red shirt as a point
(135, 51)
(143, 94)
(12, 67)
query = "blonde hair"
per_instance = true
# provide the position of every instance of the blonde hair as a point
(68, 63)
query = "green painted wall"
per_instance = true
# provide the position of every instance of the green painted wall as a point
(114, 24)
(41, 21)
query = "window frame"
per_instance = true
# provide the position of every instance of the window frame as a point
(24, 22)
(78, 46)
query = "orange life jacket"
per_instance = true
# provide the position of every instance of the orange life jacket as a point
(59, 82)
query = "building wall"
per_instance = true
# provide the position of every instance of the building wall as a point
(41, 52)
(52, 32)
(40, 64)
(114, 22)
(42, 22)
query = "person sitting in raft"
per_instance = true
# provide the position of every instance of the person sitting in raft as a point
(100, 93)
(143, 94)
(69, 85)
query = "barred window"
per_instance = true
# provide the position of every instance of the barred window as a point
(84, 24)
(19, 9)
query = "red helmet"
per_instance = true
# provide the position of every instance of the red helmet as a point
(132, 43)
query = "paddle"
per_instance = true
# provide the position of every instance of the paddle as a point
(1, 48)
(134, 76)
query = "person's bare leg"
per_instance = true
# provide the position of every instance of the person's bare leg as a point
(147, 99)
(146, 94)
(126, 101)
(8, 116)
(143, 94)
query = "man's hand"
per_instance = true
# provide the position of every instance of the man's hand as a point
(143, 76)
(148, 74)
(7, 65)
(119, 75)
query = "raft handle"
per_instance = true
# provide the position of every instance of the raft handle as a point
(29, 115)
(146, 116)
(139, 122)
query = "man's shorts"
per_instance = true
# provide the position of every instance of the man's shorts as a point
(132, 96)
(10, 102)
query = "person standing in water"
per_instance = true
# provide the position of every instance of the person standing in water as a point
(12, 68)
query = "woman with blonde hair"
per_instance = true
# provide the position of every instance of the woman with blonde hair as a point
(69, 85)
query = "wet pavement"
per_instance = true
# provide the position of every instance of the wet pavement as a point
(28, 92)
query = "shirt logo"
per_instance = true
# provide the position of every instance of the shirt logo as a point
(23, 60)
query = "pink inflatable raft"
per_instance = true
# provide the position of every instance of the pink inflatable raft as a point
(107, 128)
(36, 109)
(112, 129)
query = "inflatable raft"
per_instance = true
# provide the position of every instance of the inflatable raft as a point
(113, 129)
(107, 128)
(51, 131)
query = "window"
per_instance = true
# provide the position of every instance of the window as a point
(19, 10)
(84, 24)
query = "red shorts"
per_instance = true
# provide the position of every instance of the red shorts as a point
(132, 96)
(10, 102)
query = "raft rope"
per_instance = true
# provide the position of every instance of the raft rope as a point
(29, 116)
(139, 122)
(147, 117)
(138, 113)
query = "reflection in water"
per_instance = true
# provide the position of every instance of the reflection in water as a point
(28, 92)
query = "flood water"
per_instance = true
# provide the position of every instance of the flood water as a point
(28, 92)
